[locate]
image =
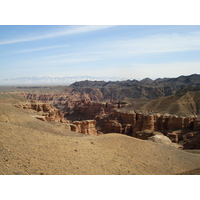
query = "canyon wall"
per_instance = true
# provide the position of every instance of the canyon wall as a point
(134, 122)
(86, 109)
(45, 111)
(109, 118)
(182, 130)
(86, 127)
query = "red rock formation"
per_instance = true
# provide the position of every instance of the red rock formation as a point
(113, 126)
(175, 123)
(46, 111)
(86, 109)
(80, 106)
(85, 103)
(172, 126)
(86, 127)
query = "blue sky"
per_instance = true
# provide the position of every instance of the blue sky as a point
(131, 51)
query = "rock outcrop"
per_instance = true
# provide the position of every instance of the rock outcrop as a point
(86, 109)
(164, 140)
(177, 129)
(154, 122)
(45, 111)
(112, 126)
(86, 127)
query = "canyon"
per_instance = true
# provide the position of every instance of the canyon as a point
(47, 112)
(168, 107)
(97, 128)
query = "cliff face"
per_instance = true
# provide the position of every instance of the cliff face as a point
(110, 119)
(153, 106)
(152, 122)
(45, 111)
(182, 130)
(86, 127)
(87, 109)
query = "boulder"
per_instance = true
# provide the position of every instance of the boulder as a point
(144, 135)
(160, 139)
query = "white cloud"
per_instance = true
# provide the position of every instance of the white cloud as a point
(78, 30)
(56, 61)
(40, 49)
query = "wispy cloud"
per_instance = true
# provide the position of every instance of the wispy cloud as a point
(164, 43)
(72, 31)
(121, 50)
(40, 49)
(57, 61)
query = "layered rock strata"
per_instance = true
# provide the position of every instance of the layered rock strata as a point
(86, 109)
(152, 122)
(81, 104)
(45, 111)
(133, 124)
(86, 127)
(111, 119)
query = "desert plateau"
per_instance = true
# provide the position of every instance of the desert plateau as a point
(147, 127)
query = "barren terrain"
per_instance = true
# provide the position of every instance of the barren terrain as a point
(31, 146)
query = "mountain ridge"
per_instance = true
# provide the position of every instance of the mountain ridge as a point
(193, 79)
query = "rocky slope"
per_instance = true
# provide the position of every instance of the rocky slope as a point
(31, 146)
(175, 116)
(45, 111)
(187, 104)
(145, 88)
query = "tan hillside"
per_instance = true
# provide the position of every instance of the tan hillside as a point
(31, 146)
(184, 105)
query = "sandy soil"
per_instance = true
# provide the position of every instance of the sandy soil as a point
(30, 146)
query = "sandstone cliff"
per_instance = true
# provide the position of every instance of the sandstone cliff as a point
(183, 130)
(45, 111)
(86, 127)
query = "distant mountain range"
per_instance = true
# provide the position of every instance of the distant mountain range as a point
(96, 82)
(191, 80)
(146, 88)
(50, 80)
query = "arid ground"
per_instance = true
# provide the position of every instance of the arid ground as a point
(30, 146)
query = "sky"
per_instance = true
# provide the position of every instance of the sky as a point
(126, 51)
